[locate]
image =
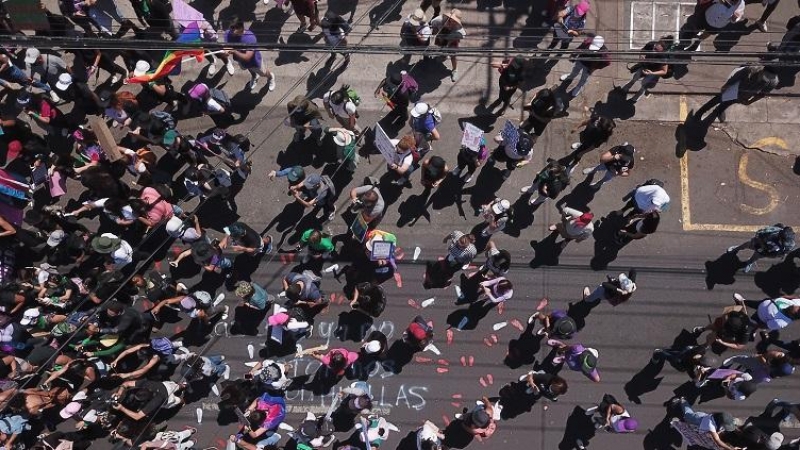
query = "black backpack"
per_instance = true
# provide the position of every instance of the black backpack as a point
(525, 143)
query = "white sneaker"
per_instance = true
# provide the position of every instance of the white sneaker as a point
(226, 309)
(271, 85)
(575, 145)
(180, 287)
(252, 84)
(564, 77)
(54, 97)
(115, 79)
(219, 298)
(525, 190)
(588, 170)
(266, 2)
(332, 268)
(227, 373)
(229, 66)
(212, 69)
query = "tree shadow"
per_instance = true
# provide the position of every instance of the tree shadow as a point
(722, 270)
(579, 426)
(606, 246)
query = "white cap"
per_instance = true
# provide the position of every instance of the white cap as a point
(501, 206)
(142, 67)
(174, 226)
(29, 316)
(64, 80)
(597, 43)
(372, 347)
(31, 55)
(202, 297)
(420, 109)
(55, 238)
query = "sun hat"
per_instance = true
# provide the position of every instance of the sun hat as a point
(55, 238)
(30, 316)
(105, 244)
(420, 109)
(417, 331)
(199, 91)
(31, 55)
(480, 418)
(64, 80)
(501, 206)
(589, 361)
(218, 135)
(418, 17)
(454, 15)
(141, 68)
(597, 43)
(70, 410)
(202, 297)
(630, 424)
(23, 98)
(109, 340)
(342, 139)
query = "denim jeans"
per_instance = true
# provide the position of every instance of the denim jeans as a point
(217, 362)
(272, 439)
(690, 416)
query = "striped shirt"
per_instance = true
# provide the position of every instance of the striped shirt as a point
(458, 255)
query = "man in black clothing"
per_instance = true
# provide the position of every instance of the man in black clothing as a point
(124, 321)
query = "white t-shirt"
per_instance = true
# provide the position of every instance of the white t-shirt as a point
(123, 255)
(707, 423)
(770, 313)
(651, 198)
(127, 211)
(401, 159)
(343, 110)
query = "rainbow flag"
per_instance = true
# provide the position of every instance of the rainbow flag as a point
(172, 59)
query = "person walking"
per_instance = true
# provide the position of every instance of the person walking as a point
(570, 22)
(335, 30)
(512, 74)
(342, 105)
(415, 33)
(496, 216)
(448, 33)
(651, 69)
(745, 85)
(593, 57)
(574, 225)
(423, 121)
(774, 241)
(249, 59)
(616, 162)
(549, 183)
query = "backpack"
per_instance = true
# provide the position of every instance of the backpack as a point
(653, 182)
(165, 118)
(162, 345)
(328, 186)
(525, 143)
(436, 114)
(351, 94)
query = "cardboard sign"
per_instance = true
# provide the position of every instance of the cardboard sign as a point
(384, 144)
(106, 139)
(381, 250)
(359, 227)
(472, 137)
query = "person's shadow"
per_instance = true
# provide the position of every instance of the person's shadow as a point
(662, 437)
(522, 350)
(352, 326)
(413, 208)
(398, 355)
(782, 278)
(606, 244)
(468, 318)
(579, 427)
(616, 106)
(546, 252)
(325, 78)
(722, 270)
(644, 381)
(386, 11)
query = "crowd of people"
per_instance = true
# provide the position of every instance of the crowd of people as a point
(87, 310)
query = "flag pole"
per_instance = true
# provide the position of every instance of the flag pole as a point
(204, 55)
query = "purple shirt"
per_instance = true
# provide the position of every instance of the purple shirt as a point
(246, 38)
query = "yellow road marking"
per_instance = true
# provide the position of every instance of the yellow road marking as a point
(686, 213)
(774, 197)
(772, 140)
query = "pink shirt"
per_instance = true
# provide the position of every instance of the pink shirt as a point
(161, 210)
(350, 356)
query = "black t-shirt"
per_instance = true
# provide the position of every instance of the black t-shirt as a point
(250, 239)
(435, 168)
(159, 392)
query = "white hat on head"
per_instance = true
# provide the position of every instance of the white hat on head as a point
(174, 226)
(31, 55)
(597, 43)
(64, 80)
(372, 347)
(420, 109)
(29, 317)
(142, 67)
(775, 441)
(501, 206)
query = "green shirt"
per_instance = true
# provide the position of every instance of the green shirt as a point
(325, 244)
